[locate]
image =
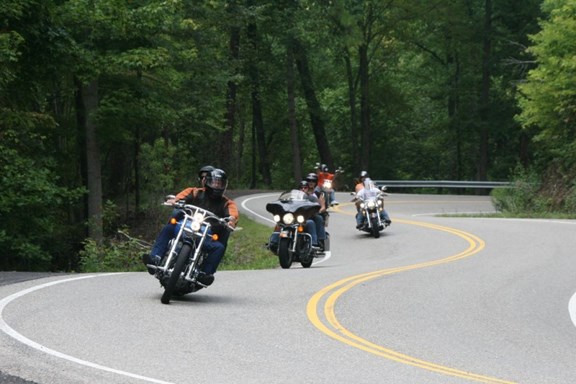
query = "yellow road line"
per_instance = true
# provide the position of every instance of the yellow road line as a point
(334, 329)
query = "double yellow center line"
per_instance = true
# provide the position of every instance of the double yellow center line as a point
(329, 295)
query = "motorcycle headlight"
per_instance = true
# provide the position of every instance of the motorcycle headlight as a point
(277, 218)
(362, 205)
(380, 202)
(288, 219)
(197, 222)
(328, 184)
(371, 204)
(300, 219)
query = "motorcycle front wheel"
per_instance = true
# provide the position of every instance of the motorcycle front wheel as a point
(375, 229)
(179, 266)
(284, 254)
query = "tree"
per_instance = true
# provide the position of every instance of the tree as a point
(548, 97)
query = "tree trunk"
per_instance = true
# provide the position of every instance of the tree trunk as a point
(89, 95)
(290, 80)
(313, 104)
(257, 121)
(485, 93)
(365, 127)
(227, 137)
(352, 106)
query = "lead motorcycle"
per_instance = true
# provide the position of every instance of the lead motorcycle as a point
(289, 241)
(180, 267)
(371, 208)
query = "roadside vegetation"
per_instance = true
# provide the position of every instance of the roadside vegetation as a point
(122, 252)
(533, 196)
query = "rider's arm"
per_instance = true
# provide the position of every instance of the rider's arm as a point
(182, 195)
(233, 211)
(322, 202)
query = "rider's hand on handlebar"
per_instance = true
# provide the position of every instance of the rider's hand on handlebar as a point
(231, 220)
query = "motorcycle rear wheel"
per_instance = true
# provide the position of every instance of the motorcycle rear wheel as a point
(284, 254)
(179, 266)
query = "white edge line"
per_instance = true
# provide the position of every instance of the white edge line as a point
(327, 255)
(572, 308)
(19, 337)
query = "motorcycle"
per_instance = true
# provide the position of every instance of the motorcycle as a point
(289, 241)
(326, 182)
(371, 209)
(179, 268)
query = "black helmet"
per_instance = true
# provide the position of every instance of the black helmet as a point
(204, 171)
(364, 174)
(324, 168)
(312, 177)
(302, 184)
(216, 183)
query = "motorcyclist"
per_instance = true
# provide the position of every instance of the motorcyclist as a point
(369, 190)
(203, 172)
(323, 173)
(360, 184)
(319, 224)
(311, 226)
(210, 197)
(316, 195)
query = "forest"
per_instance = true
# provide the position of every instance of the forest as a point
(108, 105)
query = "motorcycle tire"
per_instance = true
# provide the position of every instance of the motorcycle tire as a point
(284, 254)
(375, 230)
(179, 266)
(306, 264)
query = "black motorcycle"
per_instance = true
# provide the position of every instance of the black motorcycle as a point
(289, 240)
(180, 267)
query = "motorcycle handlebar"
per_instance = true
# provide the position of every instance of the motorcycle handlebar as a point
(181, 204)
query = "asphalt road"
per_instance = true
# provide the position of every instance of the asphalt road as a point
(435, 300)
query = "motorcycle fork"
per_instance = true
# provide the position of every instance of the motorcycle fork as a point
(198, 248)
(368, 218)
(172, 253)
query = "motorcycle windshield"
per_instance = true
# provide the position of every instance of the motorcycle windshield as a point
(293, 201)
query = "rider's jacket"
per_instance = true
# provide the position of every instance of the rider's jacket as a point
(366, 193)
(221, 206)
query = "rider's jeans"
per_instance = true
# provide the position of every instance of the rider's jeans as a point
(214, 249)
(310, 228)
(360, 217)
(320, 228)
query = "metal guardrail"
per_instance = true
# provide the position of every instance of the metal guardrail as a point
(443, 184)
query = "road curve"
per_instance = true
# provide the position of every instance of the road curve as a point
(436, 299)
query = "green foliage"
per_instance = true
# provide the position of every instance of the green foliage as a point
(114, 255)
(548, 99)
(522, 197)
(33, 205)
(167, 72)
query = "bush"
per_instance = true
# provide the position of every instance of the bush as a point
(522, 197)
(113, 255)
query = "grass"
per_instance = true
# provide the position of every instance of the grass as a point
(247, 248)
